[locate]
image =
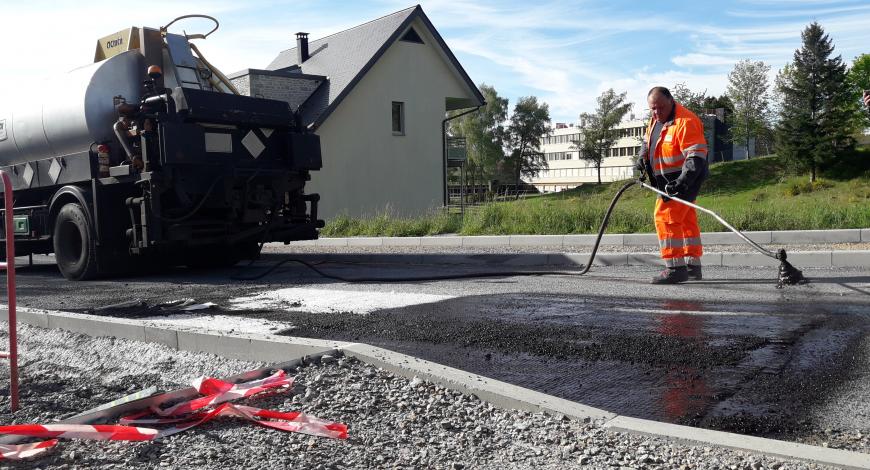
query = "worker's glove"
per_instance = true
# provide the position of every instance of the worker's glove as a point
(640, 165)
(676, 188)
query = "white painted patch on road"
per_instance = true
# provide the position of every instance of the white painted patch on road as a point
(298, 299)
(223, 323)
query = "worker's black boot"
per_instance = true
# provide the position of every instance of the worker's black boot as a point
(672, 276)
(695, 272)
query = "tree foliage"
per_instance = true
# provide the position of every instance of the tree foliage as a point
(693, 101)
(748, 90)
(722, 101)
(859, 80)
(817, 107)
(529, 122)
(484, 133)
(599, 131)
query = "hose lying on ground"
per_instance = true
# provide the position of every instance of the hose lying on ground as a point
(442, 277)
(788, 274)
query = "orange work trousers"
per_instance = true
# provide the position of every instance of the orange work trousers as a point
(679, 235)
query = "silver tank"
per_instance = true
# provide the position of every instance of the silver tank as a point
(67, 113)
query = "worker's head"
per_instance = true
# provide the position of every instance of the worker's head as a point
(661, 103)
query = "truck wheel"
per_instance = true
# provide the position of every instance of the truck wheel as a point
(74, 248)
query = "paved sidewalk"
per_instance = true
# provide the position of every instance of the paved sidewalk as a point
(573, 250)
(794, 237)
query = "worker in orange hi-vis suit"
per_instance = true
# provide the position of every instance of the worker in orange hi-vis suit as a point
(674, 155)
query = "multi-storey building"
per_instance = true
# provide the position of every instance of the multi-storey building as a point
(567, 170)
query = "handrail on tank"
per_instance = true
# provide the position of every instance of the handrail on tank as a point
(9, 266)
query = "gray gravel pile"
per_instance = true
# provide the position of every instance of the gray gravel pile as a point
(393, 422)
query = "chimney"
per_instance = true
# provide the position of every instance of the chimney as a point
(301, 47)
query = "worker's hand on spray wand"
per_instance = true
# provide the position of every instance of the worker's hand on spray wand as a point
(675, 188)
(640, 166)
(867, 98)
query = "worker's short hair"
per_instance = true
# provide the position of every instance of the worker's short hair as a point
(662, 90)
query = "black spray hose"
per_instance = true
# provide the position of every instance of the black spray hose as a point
(442, 277)
(722, 221)
(788, 274)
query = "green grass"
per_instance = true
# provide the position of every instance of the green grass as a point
(751, 195)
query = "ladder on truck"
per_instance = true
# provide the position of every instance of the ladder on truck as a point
(9, 266)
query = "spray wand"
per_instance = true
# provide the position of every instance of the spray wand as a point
(788, 274)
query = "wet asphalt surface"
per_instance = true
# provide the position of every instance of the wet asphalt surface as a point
(731, 352)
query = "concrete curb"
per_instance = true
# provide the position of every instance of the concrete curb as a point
(794, 237)
(501, 394)
(803, 259)
(759, 445)
(272, 348)
(268, 348)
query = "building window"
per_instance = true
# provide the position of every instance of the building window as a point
(398, 118)
(412, 36)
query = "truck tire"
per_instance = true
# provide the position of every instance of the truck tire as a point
(74, 249)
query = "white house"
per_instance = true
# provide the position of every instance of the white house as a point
(377, 95)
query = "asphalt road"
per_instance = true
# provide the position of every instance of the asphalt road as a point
(731, 352)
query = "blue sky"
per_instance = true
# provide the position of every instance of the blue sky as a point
(564, 52)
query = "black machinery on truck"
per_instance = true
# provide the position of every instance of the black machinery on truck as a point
(151, 154)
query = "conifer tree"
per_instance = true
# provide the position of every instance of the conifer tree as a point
(816, 121)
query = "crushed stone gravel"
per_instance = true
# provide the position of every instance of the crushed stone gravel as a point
(393, 422)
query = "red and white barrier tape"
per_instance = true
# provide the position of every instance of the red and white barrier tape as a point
(217, 391)
(182, 416)
(23, 451)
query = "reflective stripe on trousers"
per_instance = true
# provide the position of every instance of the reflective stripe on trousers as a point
(678, 233)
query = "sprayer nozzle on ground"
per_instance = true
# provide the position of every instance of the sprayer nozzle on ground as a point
(788, 274)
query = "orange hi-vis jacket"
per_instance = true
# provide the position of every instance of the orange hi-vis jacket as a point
(681, 139)
(679, 155)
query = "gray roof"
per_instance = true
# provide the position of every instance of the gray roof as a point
(345, 57)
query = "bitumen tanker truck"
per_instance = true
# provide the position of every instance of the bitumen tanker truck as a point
(150, 155)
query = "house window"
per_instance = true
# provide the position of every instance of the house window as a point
(412, 36)
(398, 118)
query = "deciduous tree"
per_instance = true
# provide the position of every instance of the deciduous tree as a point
(484, 133)
(859, 80)
(748, 90)
(693, 101)
(599, 131)
(529, 122)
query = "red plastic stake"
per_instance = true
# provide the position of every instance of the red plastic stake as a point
(10, 289)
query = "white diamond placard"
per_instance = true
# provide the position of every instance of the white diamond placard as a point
(266, 131)
(28, 174)
(54, 170)
(253, 144)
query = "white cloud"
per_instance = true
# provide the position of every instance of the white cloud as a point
(564, 51)
(688, 60)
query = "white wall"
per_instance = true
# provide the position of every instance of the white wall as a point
(365, 167)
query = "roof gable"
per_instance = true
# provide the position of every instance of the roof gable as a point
(345, 57)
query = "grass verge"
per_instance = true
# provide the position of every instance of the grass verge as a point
(751, 195)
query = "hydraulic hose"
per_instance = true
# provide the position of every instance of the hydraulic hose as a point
(199, 205)
(788, 274)
(442, 277)
(722, 221)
